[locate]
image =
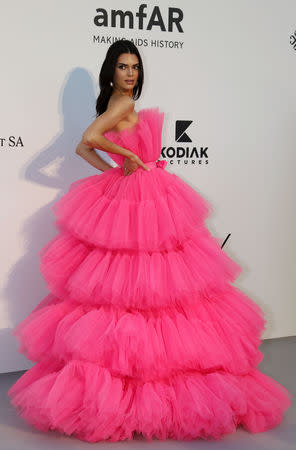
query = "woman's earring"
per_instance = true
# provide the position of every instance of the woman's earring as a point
(111, 84)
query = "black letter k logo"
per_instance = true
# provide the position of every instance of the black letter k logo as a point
(181, 126)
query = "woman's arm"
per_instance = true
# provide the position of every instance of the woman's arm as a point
(104, 144)
(93, 136)
(96, 161)
(90, 155)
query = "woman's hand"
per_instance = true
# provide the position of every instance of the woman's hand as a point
(129, 166)
(135, 159)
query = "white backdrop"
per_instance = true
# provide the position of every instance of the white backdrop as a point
(229, 68)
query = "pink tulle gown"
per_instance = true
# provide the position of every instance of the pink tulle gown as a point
(143, 330)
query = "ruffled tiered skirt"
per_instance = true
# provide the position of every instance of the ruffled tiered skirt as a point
(143, 330)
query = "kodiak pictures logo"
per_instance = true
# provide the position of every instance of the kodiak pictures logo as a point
(184, 151)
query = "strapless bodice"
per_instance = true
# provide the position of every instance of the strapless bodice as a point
(143, 138)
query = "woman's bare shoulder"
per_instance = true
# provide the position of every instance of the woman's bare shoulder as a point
(116, 115)
(121, 103)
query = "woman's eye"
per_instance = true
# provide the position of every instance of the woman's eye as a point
(124, 67)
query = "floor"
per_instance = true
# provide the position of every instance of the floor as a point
(279, 362)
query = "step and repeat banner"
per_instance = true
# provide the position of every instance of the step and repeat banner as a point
(222, 72)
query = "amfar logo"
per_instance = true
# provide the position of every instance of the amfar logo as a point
(185, 154)
(155, 19)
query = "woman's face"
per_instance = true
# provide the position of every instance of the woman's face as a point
(127, 68)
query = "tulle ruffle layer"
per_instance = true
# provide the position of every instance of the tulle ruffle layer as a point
(126, 278)
(142, 331)
(219, 332)
(82, 399)
(148, 211)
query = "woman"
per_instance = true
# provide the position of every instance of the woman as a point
(115, 107)
(143, 331)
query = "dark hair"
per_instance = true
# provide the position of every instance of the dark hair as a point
(108, 69)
